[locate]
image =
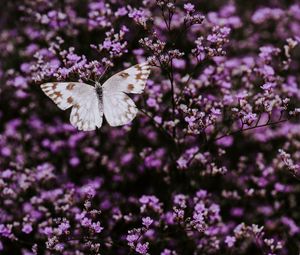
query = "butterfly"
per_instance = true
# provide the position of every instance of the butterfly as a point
(89, 103)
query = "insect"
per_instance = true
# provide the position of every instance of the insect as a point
(89, 103)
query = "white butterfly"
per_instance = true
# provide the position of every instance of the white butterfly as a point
(89, 103)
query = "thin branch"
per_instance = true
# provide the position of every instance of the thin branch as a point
(159, 126)
(268, 123)
(191, 74)
(164, 18)
(170, 72)
(258, 119)
(171, 78)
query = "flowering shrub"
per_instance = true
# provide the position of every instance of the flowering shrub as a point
(209, 166)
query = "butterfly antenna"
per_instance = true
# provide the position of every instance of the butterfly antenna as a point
(99, 78)
(103, 73)
(89, 78)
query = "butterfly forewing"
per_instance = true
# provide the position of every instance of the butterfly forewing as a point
(65, 94)
(86, 114)
(131, 80)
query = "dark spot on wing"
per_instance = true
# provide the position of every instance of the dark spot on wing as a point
(70, 86)
(130, 87)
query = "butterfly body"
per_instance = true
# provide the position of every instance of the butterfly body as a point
(99, 92)
(90, 103)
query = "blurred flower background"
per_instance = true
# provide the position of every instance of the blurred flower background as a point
(209, 166)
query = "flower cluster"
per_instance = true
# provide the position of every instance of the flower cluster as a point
(211, 164)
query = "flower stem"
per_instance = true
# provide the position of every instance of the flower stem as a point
(171, 78)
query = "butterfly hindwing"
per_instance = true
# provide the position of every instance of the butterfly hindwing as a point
(131, 80)
(86, 114)
(119, 109)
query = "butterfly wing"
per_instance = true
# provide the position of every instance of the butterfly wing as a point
(65, 94)
(119, 109)
(131, 80)
(86, 113)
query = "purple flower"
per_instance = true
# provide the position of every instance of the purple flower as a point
(63, 227)
(5, 231)
(27, 228)
(142, 248)
(74, 161)
(86, 222)
(6, 151)
(189, 7)
(122, 11)
(48, 231)
(151, 102)
(268, 86)
(147, 221)
(182, 163)
(132, 238)
(97, 228)
(7, 174)
(293, 227)
(230, 241)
